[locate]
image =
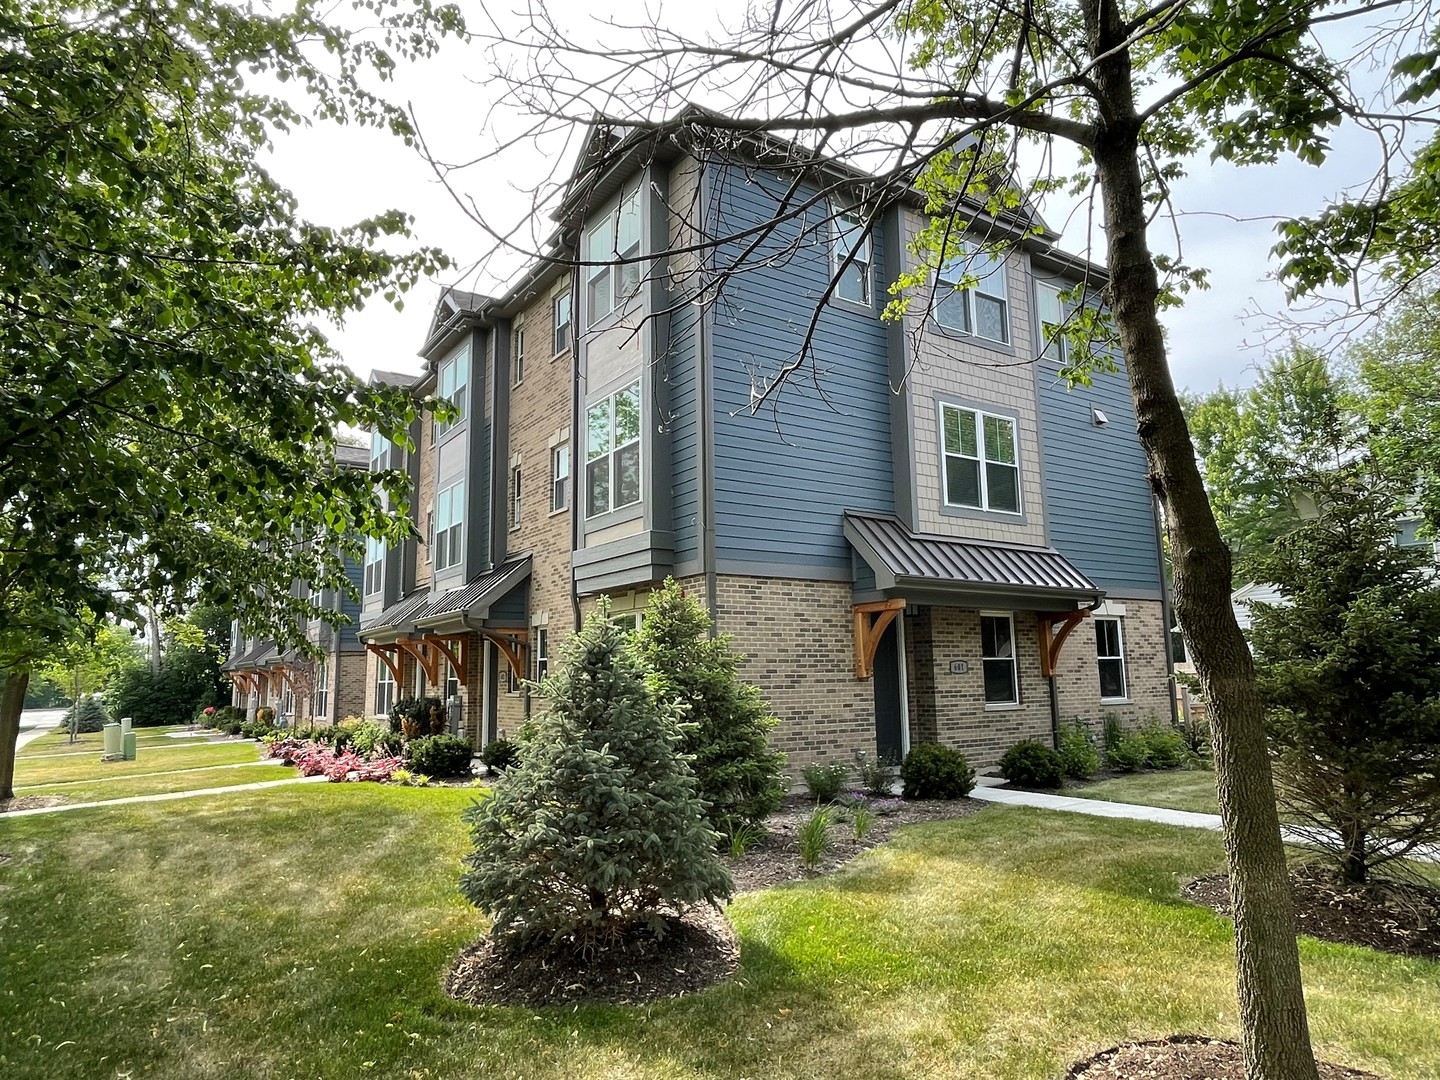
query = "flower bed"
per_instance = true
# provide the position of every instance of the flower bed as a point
(312, 759)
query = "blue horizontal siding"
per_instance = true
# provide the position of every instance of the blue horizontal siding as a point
(785, 475)
(1097, 495)
(681, 370)
(512, 609)
(351, 607)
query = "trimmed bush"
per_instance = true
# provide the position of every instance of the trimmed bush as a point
(599, 829)
(932, 771)
(1128, 754)
(86, 715)
(1165, 746)
(439, 755)
(1031, 763)
(824, 782)
(500, 754)
(1078, 757)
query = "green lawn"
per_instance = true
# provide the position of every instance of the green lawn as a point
(58, 742)
(34, 776)
(1178, 789)
(301, 932)
(156, 783)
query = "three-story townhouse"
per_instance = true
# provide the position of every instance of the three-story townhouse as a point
(920, 532)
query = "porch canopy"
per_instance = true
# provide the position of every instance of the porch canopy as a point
(430, 626)
(898, 566)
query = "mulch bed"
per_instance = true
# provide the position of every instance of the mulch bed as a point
(699, 951)
(775, 859)
(30, 802)
(1393, 916)
(1184, 1057)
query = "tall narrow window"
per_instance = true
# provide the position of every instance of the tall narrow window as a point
(560, 477)
(848, 236)
(997, 652)
(374, 565)
(984, 308)
(320, 705)
(611, 246)
(982, 469)
(515, 497)
(517, 374)
(542, 653)
(451, 386)
(379, 447)
(452, 682)
(384, 689)
(561, 341)
(612, 452)
(1110, 655)
(449, 525)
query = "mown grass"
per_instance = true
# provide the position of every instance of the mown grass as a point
(34, 776)
(159, 783)
(58, 742)
(301, 932)
(1177, 789)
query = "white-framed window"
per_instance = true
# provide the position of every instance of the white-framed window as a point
(612, 452)
(379, 447)
(542, 653)
(384, 688)
(628, 621)
(452, 681)
(451, 386)
(848, 235)
(997, 659)
(374, 565)
(517, 363)
(287, 702)
(449, 525)
(515, 497)
(560, 477)
(981, 453)
(1051, 311)
(560, 342)
(1110, 655)
(320, 703)
(609, 281)
(982, 310)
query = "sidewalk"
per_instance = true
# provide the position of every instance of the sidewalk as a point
(988, 789)
(163, 797)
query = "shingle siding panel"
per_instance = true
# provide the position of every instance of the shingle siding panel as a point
(784, 476)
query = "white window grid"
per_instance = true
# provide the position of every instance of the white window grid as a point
(996, 438)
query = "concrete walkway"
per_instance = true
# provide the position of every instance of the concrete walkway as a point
(163, 797)
(988, 789)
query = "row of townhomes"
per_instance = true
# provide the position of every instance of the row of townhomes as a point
(921, 535)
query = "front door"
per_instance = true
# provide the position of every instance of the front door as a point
(888, 745)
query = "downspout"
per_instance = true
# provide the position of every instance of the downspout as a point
(706, 463)
(577, 452)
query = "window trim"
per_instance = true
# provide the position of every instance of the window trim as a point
(945, 275)
(837, 256)
(612, 270)
(378, 549)
(542, 652)
(443, 539)
(613, 452)
(560, 483)
(384, 677)
(1056, 348)
(456, 361)
(1014, 660)
(517, 359)
(320, 697)
(1099, 659)
(516, 491)
(556, 348)
(945, 454)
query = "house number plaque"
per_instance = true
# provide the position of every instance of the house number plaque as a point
(959, 667)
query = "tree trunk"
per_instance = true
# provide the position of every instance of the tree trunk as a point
(1272, 1002)
(1353, 863)
(12, 703)
(152, 627)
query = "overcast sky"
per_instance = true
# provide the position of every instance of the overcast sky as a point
(343, 174)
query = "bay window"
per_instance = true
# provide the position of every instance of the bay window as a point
(612, 452)
(449, 526)
(609, 279)
(981, 460)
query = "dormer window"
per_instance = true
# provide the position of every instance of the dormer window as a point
(611, 245)
(451, 386)
(849, 239)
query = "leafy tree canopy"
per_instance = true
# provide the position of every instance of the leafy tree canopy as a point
(168, 406)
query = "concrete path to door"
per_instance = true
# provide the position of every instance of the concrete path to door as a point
(990, 789)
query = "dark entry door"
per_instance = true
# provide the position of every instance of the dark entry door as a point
(887, 695)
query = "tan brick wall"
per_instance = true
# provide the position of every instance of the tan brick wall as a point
(347, 691)
(950, 708)
(1147, 682)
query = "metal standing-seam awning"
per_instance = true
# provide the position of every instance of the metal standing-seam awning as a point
(923, 568)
